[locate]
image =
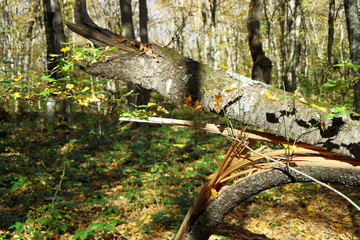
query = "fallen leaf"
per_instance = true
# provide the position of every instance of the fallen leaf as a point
(214, 193)
(271, 96)
(17, 78)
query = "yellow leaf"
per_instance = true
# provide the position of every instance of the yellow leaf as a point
(271, 96)
(270, 210)
(145, 217)
(16, 95)
(214, 193)
(17, 78)
(310, 208)
(291, 147)
(312, 214)
(65, 49)
(161, 109)
(208, 92)
(317, 107)
(187, 100)
(85, 89)
(141, 48)
(70, 86)
(347, 219)
(198, 105)
(83, 102)
(151, 104)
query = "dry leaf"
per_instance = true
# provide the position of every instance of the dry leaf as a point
(214, 193)
(271, 96)
(187, 100)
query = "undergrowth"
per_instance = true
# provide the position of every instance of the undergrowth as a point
(94, 178)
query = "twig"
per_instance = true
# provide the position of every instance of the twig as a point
(59, 185)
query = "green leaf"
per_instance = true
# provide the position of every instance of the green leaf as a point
(82, 234)
(153, 169)
(63, 227)
(47, 78)
(328, 84)
(54, 55)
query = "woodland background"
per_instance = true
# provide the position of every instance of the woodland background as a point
(84, 175)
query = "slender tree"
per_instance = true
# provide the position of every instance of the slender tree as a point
(331, 32)
(144, 37)
(126, 20)
(353, 26)
(262, 65)
(55, 36)
(143, 94)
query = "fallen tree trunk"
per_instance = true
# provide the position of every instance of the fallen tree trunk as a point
(206, 223)
(238, 97)
(279, 113)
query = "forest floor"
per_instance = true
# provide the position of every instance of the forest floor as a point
(97, 179)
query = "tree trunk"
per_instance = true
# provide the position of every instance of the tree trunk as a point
(143, 94)
(353, 26)
(293, 53)
(55, 36)
(251, 102)
(143, 14)
(126, 20)
(261, 70)
(331, 32)
(242, 190)
(213, 7)
(238, 97)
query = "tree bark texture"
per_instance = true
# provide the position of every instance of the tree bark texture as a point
(143, 96)
(54, 30)
(331, 32)
(240, 98)
(55, 37)
(143, 14)
(293, 49)
(262, 67)
(353, 27)
(206, 223)
(126, 20)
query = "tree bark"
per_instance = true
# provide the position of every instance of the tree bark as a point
(228, 200)
(262, 67)
(331, 33)
(293, 53)
(126, 20)
(238, 97)
(143, 14)
(353, 26)
(55, 36)
(143, 94)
